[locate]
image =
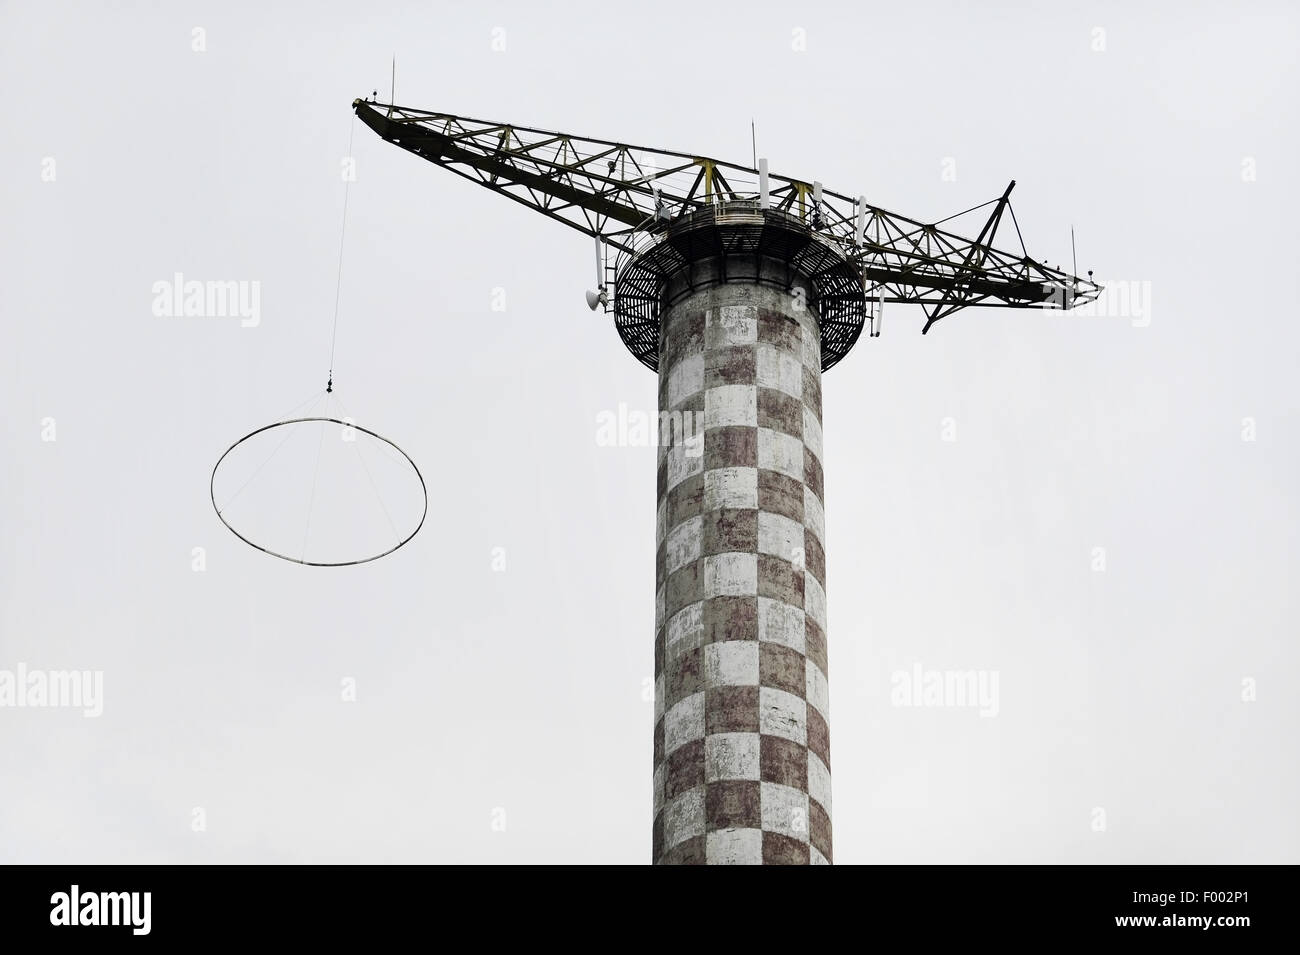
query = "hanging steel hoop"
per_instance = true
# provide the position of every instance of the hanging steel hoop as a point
(312, 563)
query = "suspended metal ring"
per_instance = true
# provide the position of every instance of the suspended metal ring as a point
(212, 494)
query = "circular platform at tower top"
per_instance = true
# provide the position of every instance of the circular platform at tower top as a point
(736, 242)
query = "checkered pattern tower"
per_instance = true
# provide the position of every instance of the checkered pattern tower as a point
(738, 288)
(741, 735)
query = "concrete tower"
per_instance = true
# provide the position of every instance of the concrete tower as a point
(738, 288)
(741, 736)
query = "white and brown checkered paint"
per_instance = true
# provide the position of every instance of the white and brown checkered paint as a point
(741, 740)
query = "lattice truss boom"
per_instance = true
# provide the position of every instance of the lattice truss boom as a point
(622, 193)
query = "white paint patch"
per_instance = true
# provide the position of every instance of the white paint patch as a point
(784, 809)
(684, 722)
(731, 573)
(812, 432)
(734, 847)
(685, 379)
(731, 663)
(780, 452)
(819, 781)
(814, 517)
(814, 600)
(816, 690)
(685, 629)
(780, 536)
(683, 544)
(776, 368)
(683, 463)
(815, 857)
(684, 817)
(731, 325)
(778, 622)
(660, 772)
(811, 350)
(729, 405)
(731, 487)
(782, 714)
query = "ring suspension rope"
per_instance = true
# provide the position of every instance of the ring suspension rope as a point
(323, 411)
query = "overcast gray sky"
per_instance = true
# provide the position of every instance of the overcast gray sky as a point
(499, 714)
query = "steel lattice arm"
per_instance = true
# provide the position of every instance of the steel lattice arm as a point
(614, 190)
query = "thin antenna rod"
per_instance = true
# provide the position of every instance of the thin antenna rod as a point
(753, 140)
(392, 89)
(1074, 255)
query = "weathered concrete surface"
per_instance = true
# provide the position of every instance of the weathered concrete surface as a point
(741, 740)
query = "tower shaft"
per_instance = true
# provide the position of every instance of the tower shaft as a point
(741, 737)
(739, 289)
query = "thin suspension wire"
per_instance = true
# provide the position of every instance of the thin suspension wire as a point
(290, 413)
(356, 446)
(338, 284)
(311, 500)
(956, 215)
(347, 413)
(288, 435)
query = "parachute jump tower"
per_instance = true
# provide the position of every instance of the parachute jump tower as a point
(739, 288)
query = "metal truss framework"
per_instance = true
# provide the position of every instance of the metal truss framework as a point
(623, 193)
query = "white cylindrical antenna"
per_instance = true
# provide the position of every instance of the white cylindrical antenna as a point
(661, 207)
(817, 193)
(598, 296)
(763, 199)
(392, 89)
(860, 227)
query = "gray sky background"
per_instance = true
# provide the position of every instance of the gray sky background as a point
(522, 690)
